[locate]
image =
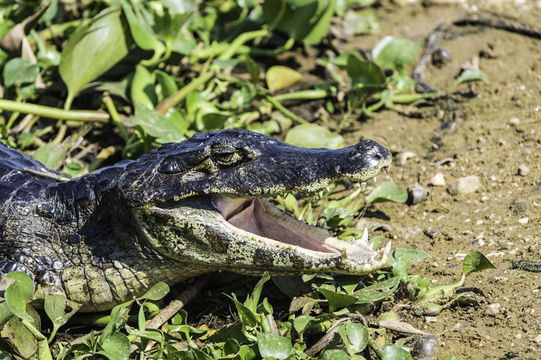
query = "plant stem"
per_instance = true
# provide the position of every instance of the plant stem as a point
(54, 113)
(181, 94)
(285, 111)
(240, 40)
(314, 94)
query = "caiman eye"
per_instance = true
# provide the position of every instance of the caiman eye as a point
(225, 155)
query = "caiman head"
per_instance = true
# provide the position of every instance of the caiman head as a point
(207, 201)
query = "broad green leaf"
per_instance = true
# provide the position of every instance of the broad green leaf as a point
(335, 354)
(365, 73)
(55, 308)
(476, 261)
(5, 312)
(303, 20)
(51, 155)
(377, 291)
(20, 337)
(142, 33)
(19, 71)
(93, 49)
(273, 346)
(163, 128)
(280, 77)
(313, 136)
(407, 256)
(387, 191)
(364, 21)
(156, 292)
(167, 84)
(246, 316)
(142, 88)
(393, 352)
(337, 299)
(115, 346)
(19, 293)
(321, 27)
(471, 75)
(300, 323)
(395, 53)
(354, 336)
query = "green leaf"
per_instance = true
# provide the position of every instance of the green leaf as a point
(19, 71)
(280, 77)
(21, 338)
(115, 346)
(365, 73)
(393, 352)
(395, 53)
(163, 127)
(156, 292)
(92, 50)
(407, 257)
(55, 308)
(303, 20)
(51, 155)
(246, 315)
(5, 312)
(273, 346)
(142, 33)
(364, 21)
(335, 354)
(377, 291)
(354, 336)
(300, 323)
(142, 88)
(19, 293)
(313, 136)
(476, 261)
(387, 191)
(471, 75)
(337, 299)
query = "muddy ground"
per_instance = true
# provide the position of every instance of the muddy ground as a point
(493, 135)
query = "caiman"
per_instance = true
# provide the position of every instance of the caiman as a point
(184, 209)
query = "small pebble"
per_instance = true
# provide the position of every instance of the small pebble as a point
(403, 157)
(417, 194)
(425, 348)
(514, 121)
(537, 339)
(437, 180)
(464, 185)
(523, 221)
(431, 319)
(518, 336)
(492, 309)
(481, 140)
(523, 170)
(432, 232)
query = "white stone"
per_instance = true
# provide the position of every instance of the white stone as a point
(492, 309)
(437, 180)
(523, 221)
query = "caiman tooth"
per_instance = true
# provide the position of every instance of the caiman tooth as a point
(363, 186)
(344, 254)
(363, 241)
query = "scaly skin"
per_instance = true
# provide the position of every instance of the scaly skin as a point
(108, 236)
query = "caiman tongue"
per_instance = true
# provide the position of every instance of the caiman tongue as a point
(260, 217)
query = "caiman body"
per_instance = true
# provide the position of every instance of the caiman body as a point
(184, 209)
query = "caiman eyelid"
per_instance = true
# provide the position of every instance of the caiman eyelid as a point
(169, 166)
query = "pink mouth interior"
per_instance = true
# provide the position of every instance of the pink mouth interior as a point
(253, 215)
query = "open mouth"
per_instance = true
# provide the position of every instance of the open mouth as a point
(262, 218)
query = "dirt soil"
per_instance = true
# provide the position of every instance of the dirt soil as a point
(496, 136)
